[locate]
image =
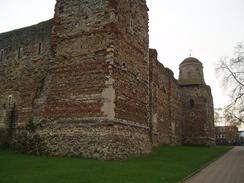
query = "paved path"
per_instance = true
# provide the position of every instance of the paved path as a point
(228, 169)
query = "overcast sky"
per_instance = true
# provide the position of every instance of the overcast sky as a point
(211, 28)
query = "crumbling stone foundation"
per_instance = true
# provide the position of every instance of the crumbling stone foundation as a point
(104, 140)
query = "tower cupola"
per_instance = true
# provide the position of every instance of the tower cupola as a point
(191, 72)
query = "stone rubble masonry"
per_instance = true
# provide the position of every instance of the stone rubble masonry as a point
(90, 139)
(166, 104)
(86, 84)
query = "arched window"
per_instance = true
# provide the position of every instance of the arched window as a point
(124, 66)
(10, 99)
(192, 103)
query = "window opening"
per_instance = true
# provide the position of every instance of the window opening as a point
(10, 100)
(192, 103)
(40, 48)
(20, 52)
(1, 55)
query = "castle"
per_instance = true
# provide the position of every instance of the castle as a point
(86, 84)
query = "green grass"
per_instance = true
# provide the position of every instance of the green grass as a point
(165, 164)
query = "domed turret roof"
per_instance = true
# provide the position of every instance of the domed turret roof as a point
(191, 72)
(191, 60)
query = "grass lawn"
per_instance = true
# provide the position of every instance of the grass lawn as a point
(165, 164)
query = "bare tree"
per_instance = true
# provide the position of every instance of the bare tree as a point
(232, 115)
(231, 71)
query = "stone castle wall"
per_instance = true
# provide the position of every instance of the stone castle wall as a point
(94, 77)
(86, 84)
(23, 68)
(166, 103)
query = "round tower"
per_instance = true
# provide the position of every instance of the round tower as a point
(191, 72)
(198, 118)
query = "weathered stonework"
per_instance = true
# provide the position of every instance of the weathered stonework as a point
(198, 115)
(166, 104)
(102, 139)
(198, 126)
(86, 84)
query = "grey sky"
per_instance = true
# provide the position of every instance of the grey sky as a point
(210, 28)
